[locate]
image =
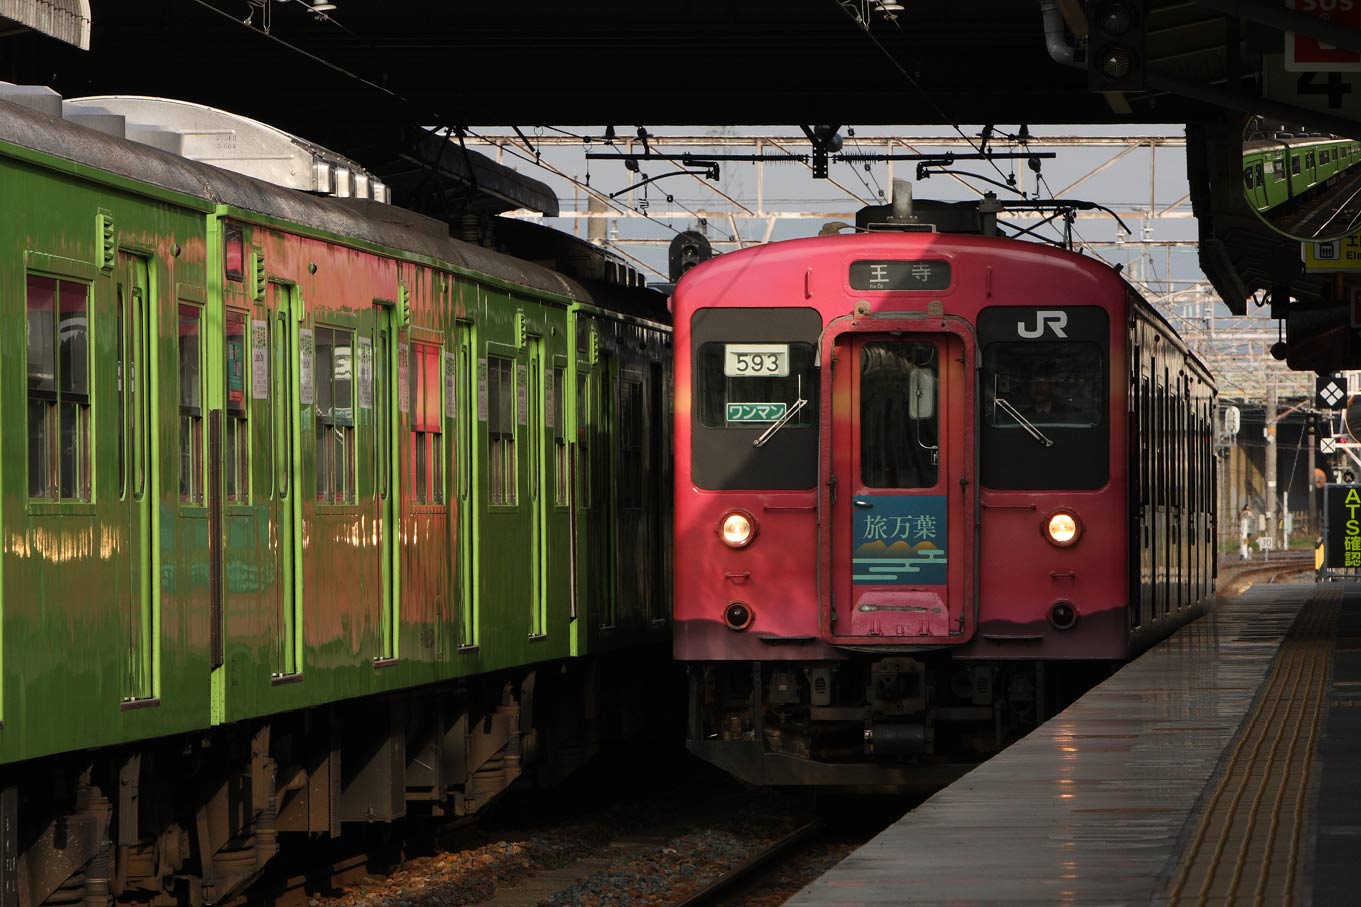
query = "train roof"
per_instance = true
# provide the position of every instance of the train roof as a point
(359, 220)
(1291, 141)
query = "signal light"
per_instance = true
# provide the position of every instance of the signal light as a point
(737, 529)
(687, 250)
(1115, 45)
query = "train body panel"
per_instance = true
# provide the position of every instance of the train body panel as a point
(961, 459)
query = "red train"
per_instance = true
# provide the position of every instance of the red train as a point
(921, 480)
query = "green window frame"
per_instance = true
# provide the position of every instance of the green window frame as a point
(427, 424)
(236, 440)
(561, 479)
(57, 353)
(334, 404)
(190, 360)
(502, 477)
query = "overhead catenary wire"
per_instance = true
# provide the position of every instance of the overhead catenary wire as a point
(849, 9)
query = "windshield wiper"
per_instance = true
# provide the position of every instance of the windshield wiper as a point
(1021, 420)
(780, 423)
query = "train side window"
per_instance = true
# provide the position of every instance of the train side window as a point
(1278, 171)
(427, 425)
(502, 486)
(1295, 164)
(631, 443)
(1247, 177)
(191, 403)
(1145, 443)
(236, 447)
(333, 374)
(560, 478)
(58, 353)
(583, 441)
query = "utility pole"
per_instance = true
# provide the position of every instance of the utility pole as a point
(1271, 459)
(1311, 438)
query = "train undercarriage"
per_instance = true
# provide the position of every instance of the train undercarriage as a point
(195, 820)
(895, 720)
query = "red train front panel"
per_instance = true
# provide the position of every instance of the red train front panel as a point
(891, 447)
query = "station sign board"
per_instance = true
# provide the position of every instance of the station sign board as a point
(1334, 255)
(1334, 93)
(1342, 525)
(1305, 54)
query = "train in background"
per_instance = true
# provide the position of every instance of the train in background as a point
(312, 516)
(1284, 168)
(923, 480)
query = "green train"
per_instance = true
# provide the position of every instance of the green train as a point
(311, 515)
(1276, 171)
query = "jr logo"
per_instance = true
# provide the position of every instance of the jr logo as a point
(1055, 321)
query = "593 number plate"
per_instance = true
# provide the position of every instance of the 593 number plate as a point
(756, 360)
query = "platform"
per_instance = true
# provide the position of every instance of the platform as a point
(1223, 766)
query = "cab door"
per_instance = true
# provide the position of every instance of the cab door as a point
(903, 509)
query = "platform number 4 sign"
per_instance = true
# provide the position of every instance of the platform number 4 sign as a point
(1331, 392)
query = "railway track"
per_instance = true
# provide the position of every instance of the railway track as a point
(1235, 579)
(749, 871)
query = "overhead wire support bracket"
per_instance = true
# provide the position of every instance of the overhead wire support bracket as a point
(693, 160)
(948, 157)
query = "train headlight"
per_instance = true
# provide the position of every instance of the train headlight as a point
(1063, 528)
(737, 529)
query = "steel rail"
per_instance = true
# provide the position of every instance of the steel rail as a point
(750, 867)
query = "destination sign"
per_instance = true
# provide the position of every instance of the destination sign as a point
(926, 274)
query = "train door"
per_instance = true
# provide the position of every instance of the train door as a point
(135, 312)
(386, 363)
(538, 507)
(466, 571)
(285, 506)
(1147, 588)
(902, 514)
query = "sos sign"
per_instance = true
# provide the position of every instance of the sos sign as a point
(1303, 54)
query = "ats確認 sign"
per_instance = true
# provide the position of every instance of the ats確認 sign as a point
(1342, 526)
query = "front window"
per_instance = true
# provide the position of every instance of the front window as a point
(1044, 402)
(755, 379)
(899, 421)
